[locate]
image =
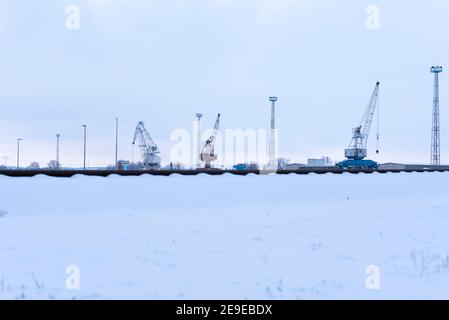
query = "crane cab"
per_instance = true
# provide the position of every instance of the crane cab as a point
(356, 153)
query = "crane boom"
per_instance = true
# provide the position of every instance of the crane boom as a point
(212, 139)
(368, 117)
(148, 149)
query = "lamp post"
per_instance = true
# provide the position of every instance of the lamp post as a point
(116, 143)
(198, 141)
(84, 157)
(57, 149)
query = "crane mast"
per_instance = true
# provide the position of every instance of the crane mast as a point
(208, 154)
(148, 149)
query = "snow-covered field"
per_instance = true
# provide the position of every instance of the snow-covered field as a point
(225, 237)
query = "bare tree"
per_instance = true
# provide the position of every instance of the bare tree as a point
(283, 162)
(34, 166)
(54, 165)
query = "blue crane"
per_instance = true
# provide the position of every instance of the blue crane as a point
(357, 150)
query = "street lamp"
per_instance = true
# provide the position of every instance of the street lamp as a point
(57, 150)
(84, 163)
(116, 143)
(18, 152)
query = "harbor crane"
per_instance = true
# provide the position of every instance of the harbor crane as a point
(357, 150)
(150, 153)
(208, 154)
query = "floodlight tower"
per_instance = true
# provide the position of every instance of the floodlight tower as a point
(198, 142)
(272, 146)
(435, 142)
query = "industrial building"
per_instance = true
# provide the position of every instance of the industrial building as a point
(322, 162)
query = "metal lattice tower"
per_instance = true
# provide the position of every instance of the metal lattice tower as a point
(435, 157)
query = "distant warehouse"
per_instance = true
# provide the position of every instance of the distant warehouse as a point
(322, 162)
(392, 166)
(294, 166)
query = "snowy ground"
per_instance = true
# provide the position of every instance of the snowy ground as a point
(225, 237)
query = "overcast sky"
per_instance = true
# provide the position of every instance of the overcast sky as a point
(162, 61)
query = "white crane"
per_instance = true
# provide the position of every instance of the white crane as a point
(208, 154)
(148, 149)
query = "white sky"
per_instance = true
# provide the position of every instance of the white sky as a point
(163, 61)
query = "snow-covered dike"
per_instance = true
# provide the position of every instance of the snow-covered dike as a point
(226, 237)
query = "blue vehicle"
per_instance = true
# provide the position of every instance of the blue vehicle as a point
(358, 164)
(245, 166)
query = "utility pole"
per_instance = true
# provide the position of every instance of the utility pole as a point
(84, 162)
(116, 143)
(272, 147)
(435, 158)
(57, 149)
(198, 142)
(18, 153)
